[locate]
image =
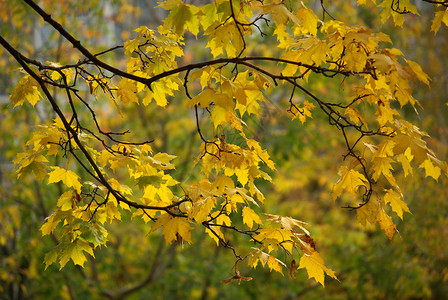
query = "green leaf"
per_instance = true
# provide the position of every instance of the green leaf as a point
(75, 252)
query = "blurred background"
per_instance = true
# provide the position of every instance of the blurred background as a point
(134, 265)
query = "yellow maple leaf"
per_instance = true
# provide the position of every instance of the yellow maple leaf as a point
(288, 223)
(218, 116)
(173, 226)
(405, 160)
(303, 112)
(226, 37)
(396, 9)
(350, 181)
(355, 116)
(430, 169)
(222, 182)
(249, 217)
(223, 100)
(126, 91)
(381, 165)
(31, 161)
(50, 257)
(130, 46)
(242, 175)
(203, 99)
(68, 177)
(355, 58)
(159, 91)
(440, 16)
(279, 13)
(277, 234)
(262, 154)
(209, 15)
(382, 62)
(385, 113)
(216, 234)
(182, 16)
(75, 252)
(274, 264)
(201, 209)
(386, 224)
(315, 267)
(26, 89)
(65, 201)
(308, 19)
(367, 213)
(398, 205)
(417, 69)
(253, 257)
(53, 220)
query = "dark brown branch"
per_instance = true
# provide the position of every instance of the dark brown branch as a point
(444, 3)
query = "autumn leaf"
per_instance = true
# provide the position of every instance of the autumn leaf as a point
(405, 160)
(31, 162)
(75, 252)
(293, 269)
(250, 217)
(386, 224)
(396, 10)
(315, 267)
(203, 99)
(218, 116)
(288, 223)
(126, 91)
(308, 19)
(430, 169)
(173, 226)
(159, 92)
(50, 258)
(65, 201)
(355, 116)
(440, 16)
(201, 209)
(280, 235)
(26, 89)
(302, 112)
(350, 181)
(398, 205)
(385, 113)
(275, 264)
(422, 76)
(225, 37)
(278, 12)
(68, 177)
(53, 220)
(367, 213)
(242, 175)
(381, 165)
(181, 17)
